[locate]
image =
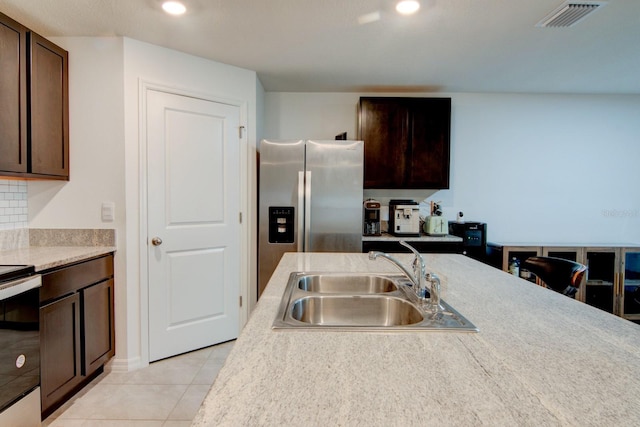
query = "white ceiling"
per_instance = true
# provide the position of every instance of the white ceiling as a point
(319, 45)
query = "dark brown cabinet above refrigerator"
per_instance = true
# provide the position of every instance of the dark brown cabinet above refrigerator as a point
(34, 100)
(406, 142)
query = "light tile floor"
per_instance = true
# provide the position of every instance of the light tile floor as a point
(167, 393)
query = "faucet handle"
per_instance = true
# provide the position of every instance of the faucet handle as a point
(417, 267)
(418, 258)
(434, 291)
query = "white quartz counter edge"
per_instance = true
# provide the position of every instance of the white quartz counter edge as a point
(47, 257)
(539, 359)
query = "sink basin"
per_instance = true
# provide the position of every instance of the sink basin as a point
(356, 311)
(360, 302)
(347, 283)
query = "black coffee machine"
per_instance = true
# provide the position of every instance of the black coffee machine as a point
(474, 238)
(371, 218)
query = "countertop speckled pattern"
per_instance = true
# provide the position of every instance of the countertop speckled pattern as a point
(386, 237)
(47, 248)
(46, 257)
(539, 359)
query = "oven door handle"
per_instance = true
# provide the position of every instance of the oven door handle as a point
(19, 286)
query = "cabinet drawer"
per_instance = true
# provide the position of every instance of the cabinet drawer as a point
(74, 277)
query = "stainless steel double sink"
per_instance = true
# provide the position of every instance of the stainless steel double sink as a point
(360, 301)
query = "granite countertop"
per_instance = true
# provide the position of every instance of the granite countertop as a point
(46, 257)
(50, 248)
(386, 237)
(539, 359)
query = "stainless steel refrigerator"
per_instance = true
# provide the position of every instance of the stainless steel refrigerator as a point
(310, 197)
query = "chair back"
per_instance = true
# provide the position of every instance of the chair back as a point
(559, 274)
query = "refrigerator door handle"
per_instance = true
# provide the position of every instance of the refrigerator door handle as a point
(307, 211)
(301, 207)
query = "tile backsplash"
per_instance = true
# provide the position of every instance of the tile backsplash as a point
(13, 204)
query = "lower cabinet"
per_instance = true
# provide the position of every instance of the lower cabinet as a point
(612, 281)
(501, 256)
(76, 328)
(59, 349)
(97, 326)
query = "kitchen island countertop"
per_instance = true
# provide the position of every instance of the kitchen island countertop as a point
(539, 359)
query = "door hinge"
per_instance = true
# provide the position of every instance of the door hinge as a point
(240, 217)
(240, 300)
(240, 129)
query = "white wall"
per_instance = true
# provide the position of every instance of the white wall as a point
(185, 73)
(96, 157)
(96, 141)
(104, 77)
(536, 168)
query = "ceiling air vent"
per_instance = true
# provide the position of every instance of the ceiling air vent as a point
(570, 13)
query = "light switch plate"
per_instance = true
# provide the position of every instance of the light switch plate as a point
(108, 211)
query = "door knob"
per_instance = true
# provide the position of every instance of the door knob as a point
(156, 241)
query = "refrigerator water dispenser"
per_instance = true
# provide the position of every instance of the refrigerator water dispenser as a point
(281, 223)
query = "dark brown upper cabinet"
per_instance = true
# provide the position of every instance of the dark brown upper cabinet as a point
(49, 108)
(34, 93)
(406, 142)
(13, 95)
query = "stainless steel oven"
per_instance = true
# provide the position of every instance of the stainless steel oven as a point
(19, 346)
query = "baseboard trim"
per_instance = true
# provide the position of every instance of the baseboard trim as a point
(124, 365)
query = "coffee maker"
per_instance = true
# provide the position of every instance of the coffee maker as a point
(404, 218)
(371, 218)
(474, 237)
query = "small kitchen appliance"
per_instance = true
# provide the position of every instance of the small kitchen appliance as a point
(404, 218)
(435, 224)
(474, 238)
(371, 218)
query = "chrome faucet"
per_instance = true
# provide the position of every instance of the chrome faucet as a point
(418, 278)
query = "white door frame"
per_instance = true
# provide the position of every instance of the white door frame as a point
(245, 245)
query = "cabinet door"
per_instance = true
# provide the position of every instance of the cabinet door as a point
(384, 124)
(521, 253)
(59, 349)
(98, 333)
(406, 142)
(602, 278)
(13, 96)
(49, 109)
(630, 285)
(572, 254)
(428, 157)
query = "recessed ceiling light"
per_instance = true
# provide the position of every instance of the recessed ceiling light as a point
(369, 18)
(407, 7)
(174, 7)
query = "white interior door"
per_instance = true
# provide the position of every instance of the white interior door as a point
(193, 175)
